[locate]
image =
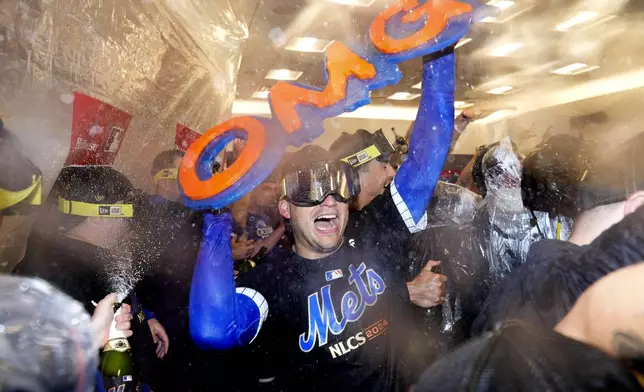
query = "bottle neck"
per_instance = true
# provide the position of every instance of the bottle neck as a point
(117, 339)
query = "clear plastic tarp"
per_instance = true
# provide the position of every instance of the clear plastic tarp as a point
(112, 76)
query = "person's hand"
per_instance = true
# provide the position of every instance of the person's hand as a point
(104, 315)
(242, 249)
(160, 337)
(428, 288)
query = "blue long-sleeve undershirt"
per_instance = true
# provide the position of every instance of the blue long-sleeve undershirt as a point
(223, 316)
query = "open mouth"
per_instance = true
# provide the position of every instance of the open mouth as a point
(327, 223)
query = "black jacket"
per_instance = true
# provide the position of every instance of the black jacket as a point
(556, 273)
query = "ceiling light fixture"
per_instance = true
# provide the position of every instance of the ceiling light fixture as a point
(506, 49)
(355, 3)
(307, 44)
(462, 104)
(403, 96)
(506, 15)
(580, 18)
(261, 94)
(462, 42)
(283, 74)
(575, 69)
(500, 90)
(418, 85)
(501, 4)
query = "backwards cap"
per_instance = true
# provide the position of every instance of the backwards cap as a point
(94, 191)
(361, 147)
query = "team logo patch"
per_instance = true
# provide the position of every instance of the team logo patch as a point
(333, 275)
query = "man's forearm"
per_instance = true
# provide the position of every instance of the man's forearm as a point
(430, 140)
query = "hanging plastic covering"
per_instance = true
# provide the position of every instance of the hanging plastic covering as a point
(508, 228)
(114, 77)
(47, 343)
(452, 239)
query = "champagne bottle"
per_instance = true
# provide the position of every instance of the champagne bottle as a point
(117, 365)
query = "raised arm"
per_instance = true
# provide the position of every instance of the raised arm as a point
(414, 183)
(221, 316)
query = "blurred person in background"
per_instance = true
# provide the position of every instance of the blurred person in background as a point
(608, 232)
(20, 191)
(597, 346)
(49, 342)
(264, 229)
(90, 252)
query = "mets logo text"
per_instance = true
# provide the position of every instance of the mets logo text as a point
(322, 316)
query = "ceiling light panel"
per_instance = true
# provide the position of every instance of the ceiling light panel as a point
(403, 96)
(506, 49)
(261, 94)
(283, 74)
(307, 44)
(354, 3)
(581, 18)
(500, 90)
(507, 15)
(575, 69)
(501, 4)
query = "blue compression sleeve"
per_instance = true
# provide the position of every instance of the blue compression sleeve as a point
(149, 315)
(221, 316)
(430, 142)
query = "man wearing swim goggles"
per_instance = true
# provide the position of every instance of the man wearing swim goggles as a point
(338, 303)
(315, 199)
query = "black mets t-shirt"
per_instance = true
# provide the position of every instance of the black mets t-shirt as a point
(333, 323)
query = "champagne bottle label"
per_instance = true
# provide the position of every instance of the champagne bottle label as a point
(117, 341)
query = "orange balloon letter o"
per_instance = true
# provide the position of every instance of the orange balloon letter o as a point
(197, 189)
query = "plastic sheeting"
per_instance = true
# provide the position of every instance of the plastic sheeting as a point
(159, 62)
(508, 228)
(58, 351)
(478, 242)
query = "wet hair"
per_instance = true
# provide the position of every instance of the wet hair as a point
(90, 184)
(614, 178)
(17, 172)
(552, 175)
(165, 160)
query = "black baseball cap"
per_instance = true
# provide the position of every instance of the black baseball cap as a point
(616, 176)
(520, 358)
(361, 147)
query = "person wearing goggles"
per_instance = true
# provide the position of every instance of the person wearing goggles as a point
(333, 314)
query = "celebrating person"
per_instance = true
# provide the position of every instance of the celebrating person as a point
(335, 307)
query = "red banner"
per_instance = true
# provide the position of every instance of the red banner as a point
(98, 130)
(184, 137)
